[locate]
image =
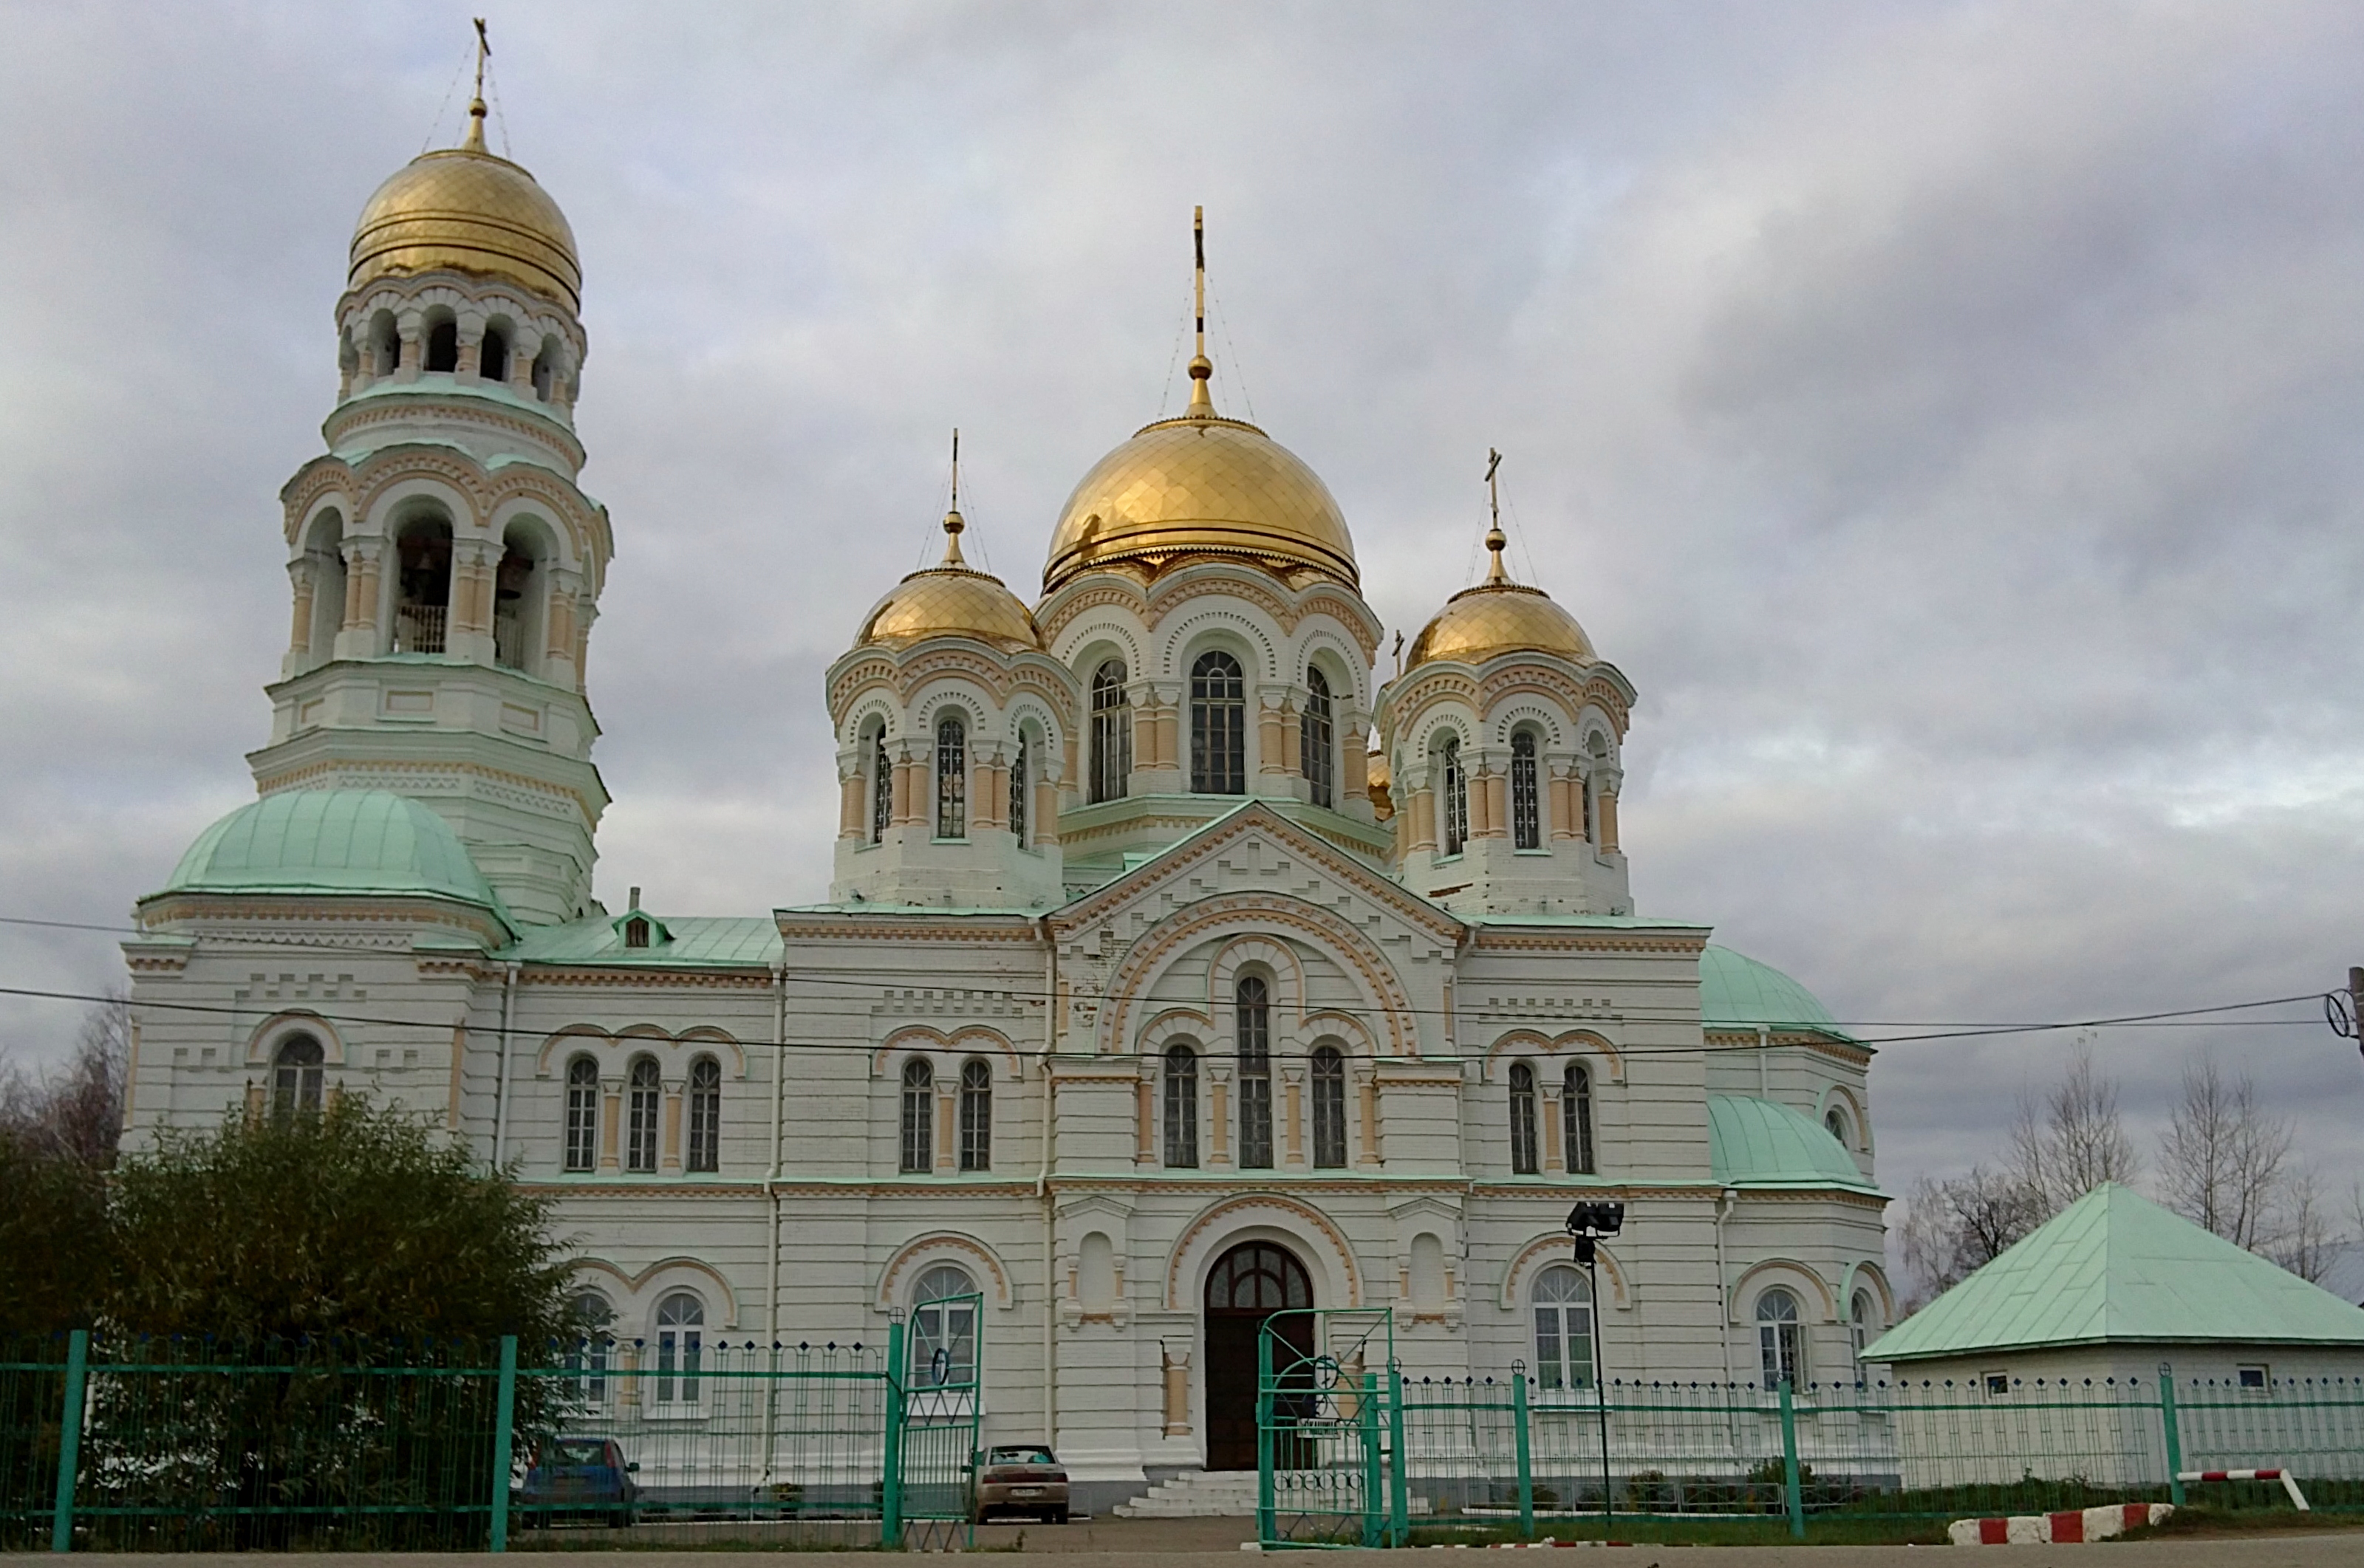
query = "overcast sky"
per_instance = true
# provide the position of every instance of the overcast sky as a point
(1946, 415)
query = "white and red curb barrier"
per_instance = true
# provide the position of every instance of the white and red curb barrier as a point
(2289, 1482)
(2072, 1526)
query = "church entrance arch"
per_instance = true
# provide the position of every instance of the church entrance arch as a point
(1247, 1285)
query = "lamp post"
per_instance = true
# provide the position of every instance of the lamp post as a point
(1590, 1223)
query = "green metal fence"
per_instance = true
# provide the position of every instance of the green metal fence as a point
(1360, 1454)
(189, 1444)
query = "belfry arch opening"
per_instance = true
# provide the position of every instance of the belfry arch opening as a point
(520, 595)
(1247, 1286)
(422, 584)
(324, 558)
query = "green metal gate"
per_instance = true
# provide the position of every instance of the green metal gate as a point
(1329, 1431)
(934, 1367)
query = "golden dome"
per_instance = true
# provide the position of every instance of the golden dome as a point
(952, 600)
(462, 209)
(1500, 617)
(1201, 484)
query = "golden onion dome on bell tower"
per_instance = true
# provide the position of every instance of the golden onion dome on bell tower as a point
(462, 209)
(1499, 617)
(952, 598)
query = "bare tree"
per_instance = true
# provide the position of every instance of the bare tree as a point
(2222, 1163)
(75, 1112)
(1954, 1227)
(2303, 1240)
(2068, 1141)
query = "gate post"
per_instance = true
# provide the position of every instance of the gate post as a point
(890, 1479)
(70, 1440)
(504, 1440)
(1373, 1486)
(1790, 1463)
(1263, 1437)
(1399, 1499)
(2172, 1424)
(1527, 1452)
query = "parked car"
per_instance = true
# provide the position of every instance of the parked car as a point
(1023, 1478)
(578, 1479)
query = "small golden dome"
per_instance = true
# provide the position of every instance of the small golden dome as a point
(1500, 617)
(952, 599)
(462, 209)
(1201, 486)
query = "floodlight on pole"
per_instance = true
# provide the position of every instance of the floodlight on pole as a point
(1590, 1223)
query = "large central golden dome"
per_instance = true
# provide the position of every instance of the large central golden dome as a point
(1202, 485)
(464, 210)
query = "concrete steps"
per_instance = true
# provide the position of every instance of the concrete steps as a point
(1196, 1494)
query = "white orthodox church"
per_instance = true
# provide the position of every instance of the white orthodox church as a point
(1173, 969)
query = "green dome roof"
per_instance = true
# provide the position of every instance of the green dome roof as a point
(1737, 992)
(334, 841)
(1756, 1142)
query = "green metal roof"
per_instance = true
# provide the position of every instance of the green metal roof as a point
(1737, 992)
(334, 841)
(1756, 1143)
(689, 941)
(2115, 1266)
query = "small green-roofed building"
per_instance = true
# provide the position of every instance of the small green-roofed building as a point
(2113, 1286)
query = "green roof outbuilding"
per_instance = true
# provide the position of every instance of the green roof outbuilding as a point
(2115, 1267)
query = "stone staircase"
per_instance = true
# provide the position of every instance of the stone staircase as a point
(1196, 1494)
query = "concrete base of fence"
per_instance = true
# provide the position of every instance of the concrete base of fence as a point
(2074, 1526)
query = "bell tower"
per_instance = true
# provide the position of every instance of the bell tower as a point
(446, 568)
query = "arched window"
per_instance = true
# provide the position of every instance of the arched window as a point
(545, 373)
(976, 1117)
(636, 933)
(1563, 1308)
(582, 1114)
(951, 779)
(1863, 1327)
(385, 345)
(705, 1115)
(943, 1328)
(1451, 797)
(918, 1139)
(643, 1093)
(882, 788)
(594, 1344)
(1254, 1010)
(1111, 732)
(1524, 1160)
(1181, 1107)
(492, 359)
(1526, 794)
(1575, 1118)
(681, 1344)
(1219, 726)
(422, 590)
(443, 347)
(1319, 738)
(515, 595)
(1834, 1122)
(1329, 1108)
(1018, 776)
(1780, 1340)
(295, 1073)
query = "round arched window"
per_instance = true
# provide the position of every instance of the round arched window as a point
(943, 1328)
(1563, 1328)
(681, 1344)
(1780, 1338)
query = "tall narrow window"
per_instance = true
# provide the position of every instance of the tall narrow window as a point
(1863, 1327)
(582, 1114)
(1181, 1107)
(944, 1330)
(640, 1118)
(1320, 736)
(976, 1117)
(1780, 1342)
(1255, 1073)
(493, 358)
(1575, 1118)
(295, 1073)
(705, 1115)
(1563, 1328)
(1329, 1108)
(681, 1345)
(1452, 795)
(951, 779)
(882, 788)
(1522, 1121)
(1526, 798)
(444, 346)
(918, 1139)
(1111, 732)
(1018, 775)
(594, 1344)
(1219, 726)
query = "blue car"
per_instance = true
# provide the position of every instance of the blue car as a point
(575, 1480)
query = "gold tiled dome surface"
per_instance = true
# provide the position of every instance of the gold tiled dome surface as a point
(1493, 618)
(1201, 486)
(470, 212)
(951, 601)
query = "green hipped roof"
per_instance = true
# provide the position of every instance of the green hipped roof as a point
(335, 841)
(1757, 1143)
(2114, 1266)
(1737, 992)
